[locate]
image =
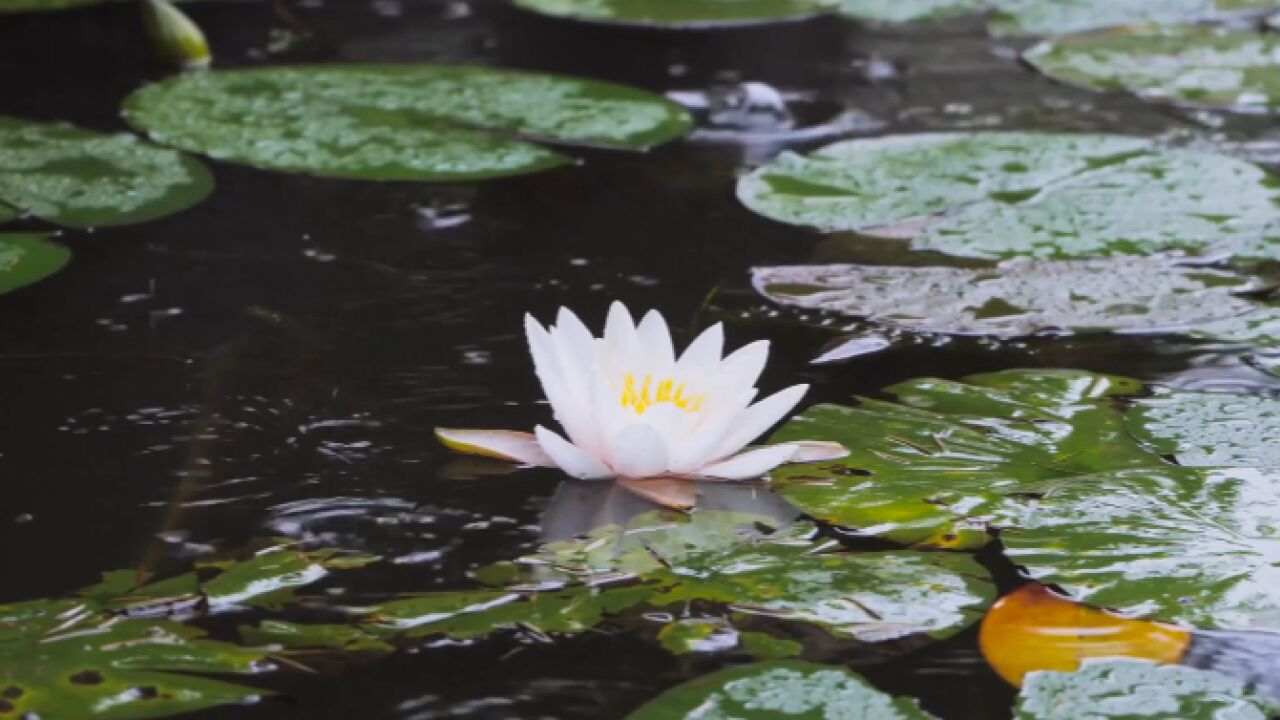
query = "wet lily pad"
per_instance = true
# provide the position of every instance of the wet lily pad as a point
(78, 178)
(779, 689)
(1123, 689)
(404, 122)
(1002, 195)
(935, 468)
(65, 659)
(1210, 429)
(1017, 298)
(1182, 544)
(27, 258)
(1188, 64)
(293, 636)
(690, 14)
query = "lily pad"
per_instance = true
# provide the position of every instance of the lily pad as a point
(1125, 689)
(78, 178)
(1018, 297)
(779, 689)
(65, 659)
(1186, 64)
(1189, 545)
(1210, 429)
(7, 213)
(292, 636)
(936, 468)
(1002, 195)
(689, 14)
(27, 258)
(398, 122)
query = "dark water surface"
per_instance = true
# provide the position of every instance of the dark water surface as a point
(271, 362)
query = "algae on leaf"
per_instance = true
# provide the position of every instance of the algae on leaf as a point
(1186, 64)
(78, 178)
(1125, 689)
(1018, 297)
(779, 689)
(1003, 195)
(398, 122)
(27, 258)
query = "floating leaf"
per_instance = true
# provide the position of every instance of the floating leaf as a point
(934, 469)
(1188, 64)
(767, 647)
(1210, 429)
(80, 178)
(690, 14)
(292, 636)
(7, 213)
(27, 258)
(272, 575)
(1017, 298)
(1188, 545)
(1125, 689)
(65, 659)
(698, 635)
(37, 5)
(406, 122)
(779, 689)
(999, 195)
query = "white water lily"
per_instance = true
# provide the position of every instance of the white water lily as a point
(631, 409)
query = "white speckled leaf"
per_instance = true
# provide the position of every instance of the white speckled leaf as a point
(407, 122)
(79, 178)
(1019, 297)
(1210, 429)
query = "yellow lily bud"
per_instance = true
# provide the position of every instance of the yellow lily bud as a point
(175, 37)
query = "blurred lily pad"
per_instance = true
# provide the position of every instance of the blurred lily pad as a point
(293, 636)
(1002, 195)
(1181, 544)
(1123, 689)
(401, 122)
(27, 258)
(1186, 64)
(66, 659)
(1018, 297)
(78, 178)
(686, 14)
(7, 213)
(779, 689)
(1210, 429)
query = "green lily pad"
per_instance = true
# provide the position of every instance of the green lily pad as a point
(398, 122)
(1001, 195)
(691, 14)
(934, 469)
(27, 258)
(1125, 689)
(270, 577)
(1182, 544)
(1210, 429)
(292, 636)
(779, 689)
(78, 178)
(1188, 64)
(698, 635)
(7, 213)
(764, 646)
(1017, 298)
(66, 659)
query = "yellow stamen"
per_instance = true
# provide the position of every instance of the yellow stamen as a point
(664, 391)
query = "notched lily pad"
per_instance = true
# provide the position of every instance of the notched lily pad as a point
(398, 122)
(1123, 689)
(1003, 195)
(78, 178)
(779, 689)
(1017, 298)
(1187, 64)
(935, 469)
(27, 258)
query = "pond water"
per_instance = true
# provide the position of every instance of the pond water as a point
(271, 363)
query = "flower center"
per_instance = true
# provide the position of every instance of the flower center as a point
(648, 393)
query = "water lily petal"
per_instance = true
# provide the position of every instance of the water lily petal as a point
(760, 417)
(575, 343)
(703, 354)
(520, 447)
(639, 452)
(667, 419)
(750, 464)
(571, 408)
(706, 431)
(673, 493)
(743, 366)
(817, 451)
(620, 334)
(569, 458)
(655, 340)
